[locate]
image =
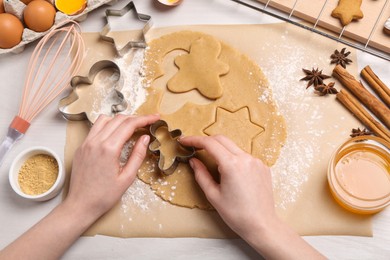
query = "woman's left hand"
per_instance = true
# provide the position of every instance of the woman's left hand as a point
(98, 180)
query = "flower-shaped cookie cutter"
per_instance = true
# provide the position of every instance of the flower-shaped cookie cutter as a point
(116, 107)
(182, 153)
(130, 7)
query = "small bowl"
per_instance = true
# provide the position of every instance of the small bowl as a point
(170, 2)
(17, 164)
(364, 187)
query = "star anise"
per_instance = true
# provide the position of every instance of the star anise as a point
(340, 58)
(358, 132)
(324, 89)
(314, 76)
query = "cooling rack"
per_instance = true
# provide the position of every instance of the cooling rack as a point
(366, 35)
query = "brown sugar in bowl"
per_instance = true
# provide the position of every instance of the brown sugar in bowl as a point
(17, 168)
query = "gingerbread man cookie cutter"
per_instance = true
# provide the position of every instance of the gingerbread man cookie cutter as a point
(99, 66)
(130, 7)
(186, 152)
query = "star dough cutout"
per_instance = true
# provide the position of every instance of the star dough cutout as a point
(200, 69)
(348, 10)
(236, 125)
(167, 146)
(130, 7)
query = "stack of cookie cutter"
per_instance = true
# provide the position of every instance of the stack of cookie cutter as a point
(105, 64)
(147, 19)
(155, 148)
(88, 80)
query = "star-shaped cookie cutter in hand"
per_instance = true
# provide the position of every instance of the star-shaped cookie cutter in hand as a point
(186, 152)
(130, 7)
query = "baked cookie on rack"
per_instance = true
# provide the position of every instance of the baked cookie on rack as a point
(347, 11)
(386, 26)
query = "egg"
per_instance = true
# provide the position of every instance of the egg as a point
(39, 15)
(70, 7)
(1, 7)
(11, 30)
(26, 2)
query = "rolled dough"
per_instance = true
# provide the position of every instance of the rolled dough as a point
(316, 126)
(240, 113)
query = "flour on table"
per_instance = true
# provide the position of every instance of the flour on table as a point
(301, 149)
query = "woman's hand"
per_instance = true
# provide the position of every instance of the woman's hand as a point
(244, 199)
(98, 180)
(244, 195)
(97, 183)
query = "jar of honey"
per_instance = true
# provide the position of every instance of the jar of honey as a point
(359, 174)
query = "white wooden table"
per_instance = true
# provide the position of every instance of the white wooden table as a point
(48, 130)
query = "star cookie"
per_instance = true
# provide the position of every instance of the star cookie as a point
(347, 11)
(236, 125)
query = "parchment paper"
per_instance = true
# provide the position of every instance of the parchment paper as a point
(305, 203)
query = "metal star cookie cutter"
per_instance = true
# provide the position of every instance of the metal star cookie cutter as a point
(88, 81)
(147, 19)
(155, 147)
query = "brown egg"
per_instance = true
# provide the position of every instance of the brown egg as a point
(39, 15)
(11, 30)
(26, 2)
(1, 7)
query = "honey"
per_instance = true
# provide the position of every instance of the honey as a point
(359, 174)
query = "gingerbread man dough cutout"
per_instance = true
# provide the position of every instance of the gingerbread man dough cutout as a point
(347, 11)
(200, 69)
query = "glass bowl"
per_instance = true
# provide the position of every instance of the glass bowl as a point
(359, 174)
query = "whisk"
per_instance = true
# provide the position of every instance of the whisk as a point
(54, 61)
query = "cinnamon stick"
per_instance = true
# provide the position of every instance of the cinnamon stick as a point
(379, 109)
(353, 105)
(376, 84)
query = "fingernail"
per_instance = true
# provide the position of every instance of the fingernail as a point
(181, 138)
(145, 140)
(191, 163)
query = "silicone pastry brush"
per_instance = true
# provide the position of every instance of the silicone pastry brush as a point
(55, 60)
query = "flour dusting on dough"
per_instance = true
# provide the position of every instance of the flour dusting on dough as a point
(139, 199)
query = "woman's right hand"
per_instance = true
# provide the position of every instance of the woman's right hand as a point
(244, 196)
(244, 199)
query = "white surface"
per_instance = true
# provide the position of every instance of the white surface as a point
(17, 215)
